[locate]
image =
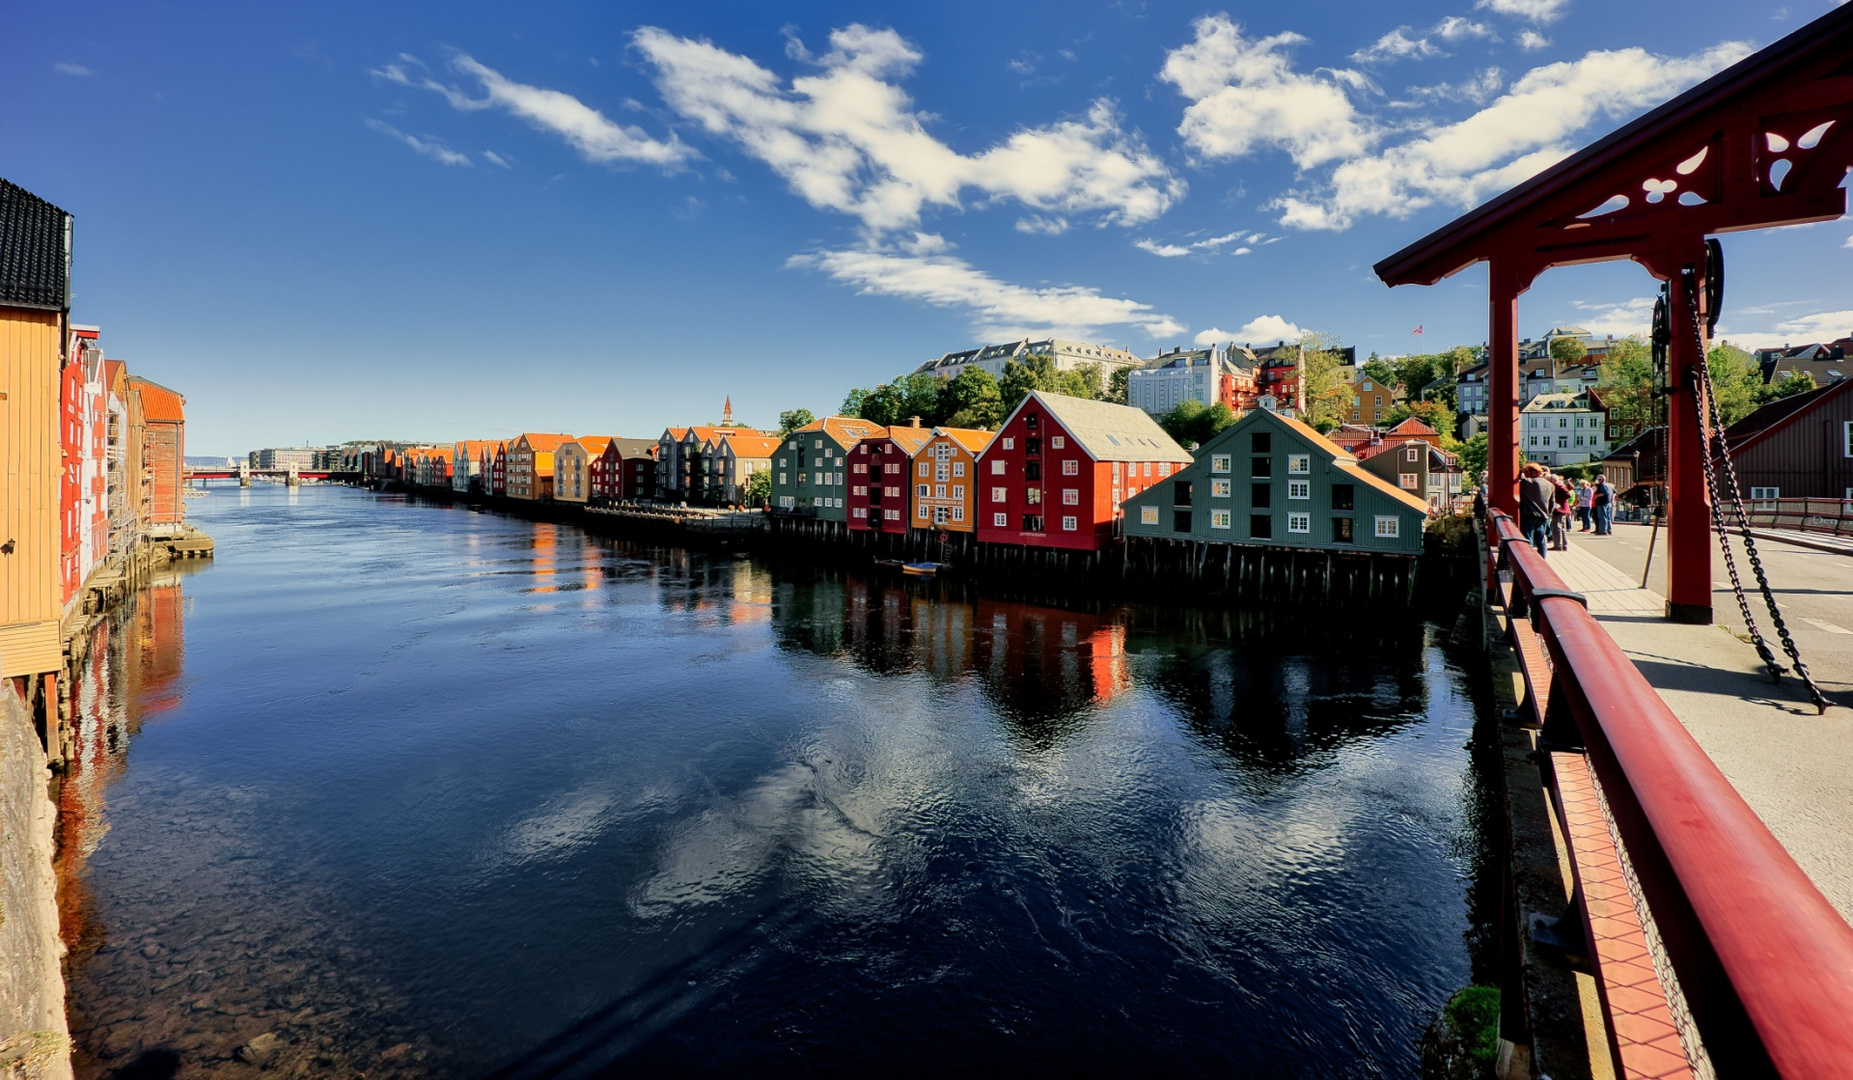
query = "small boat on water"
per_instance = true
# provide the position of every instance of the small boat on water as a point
(921, 569)
(890, 564)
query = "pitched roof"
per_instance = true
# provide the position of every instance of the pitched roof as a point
(753, 446)
(973, 439)
(35, 255)
(909, 438)
(675, 433)
(543, 442)
(113, 370)
(1109, 432)
(158, 402)
(846, 430)
(1778, 414)
(630, 448)
(593, 445)
(1343, 460)
(1412, 426)
(473, 448)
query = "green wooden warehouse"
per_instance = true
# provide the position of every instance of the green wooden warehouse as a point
(810, 470)
(1271, 481)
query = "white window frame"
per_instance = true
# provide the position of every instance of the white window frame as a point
(1000, 521)
(1222, 463)
(1219, 519)
(1070, 523)
(1057, 442)
(958, 468)
(1299, 464)
(1299, 523)
(1071, 467)
(1010, 443)
(999, 467)
(1387, 527)
(1148, 515)
(1299, 489)
(1409, 481)
(1219, 489)
(1000, 494)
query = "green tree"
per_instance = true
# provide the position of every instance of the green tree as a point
(759, 486)
(793, 419)
(1117, 384)
(852, 403)
(1414, 373)
(1082, 382)
(1567, 350)
(1379, 371)
(1192, 424)
(1433, 413)
(1327, 383)
(973, 400)
(884, 405)
(920, 396)
(1473, 457)
(1625, 383)
(1735, 380)
(1790, 384)
(1033, 372)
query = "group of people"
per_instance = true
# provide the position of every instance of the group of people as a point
(1547, 501)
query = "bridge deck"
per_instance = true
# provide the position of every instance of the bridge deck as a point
(1793, 767)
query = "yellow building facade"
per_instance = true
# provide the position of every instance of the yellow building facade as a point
(572, 467)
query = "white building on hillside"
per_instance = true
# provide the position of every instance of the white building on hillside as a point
(1068, 356)
(1563, 429)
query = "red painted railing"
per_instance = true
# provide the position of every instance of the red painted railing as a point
(1765, 962)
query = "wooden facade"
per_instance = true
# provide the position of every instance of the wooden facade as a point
(946, 496)
(530, 465)
(30, 594)
(164, 447)
(881, 479)
(1272, 481)
(811, 467)
(572, 467)
(1799, 447)
(625, 471)
(1056, 473)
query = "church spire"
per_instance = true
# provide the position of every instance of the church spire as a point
(727, 412)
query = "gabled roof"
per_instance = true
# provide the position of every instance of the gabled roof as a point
(753, 446)
(593, 445)
(1779, 414)
(1108, 432)
(113, 370)
(1340, 459)
(675, 433)
(1412, 426)
(159, 404)
(35, 252)
(846, 430)
(473, 448)
(909, 438)
(973, 439)
(631, 448)
(542, 442)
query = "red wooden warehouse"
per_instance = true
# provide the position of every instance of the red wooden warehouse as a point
(1059, 468)
(880, 472)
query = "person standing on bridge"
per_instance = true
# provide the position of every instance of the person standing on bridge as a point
(1603, 503)
(1585, 502)
(1534, 505)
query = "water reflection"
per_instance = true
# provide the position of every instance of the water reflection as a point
(448, 794)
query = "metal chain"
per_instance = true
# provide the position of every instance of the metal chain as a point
(1707, 401)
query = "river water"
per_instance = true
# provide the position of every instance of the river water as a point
(417, 790)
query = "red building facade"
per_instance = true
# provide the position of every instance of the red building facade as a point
(1059, 468)
(625, 471)
(880, 477)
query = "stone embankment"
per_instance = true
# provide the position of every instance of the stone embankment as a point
(34, 1041)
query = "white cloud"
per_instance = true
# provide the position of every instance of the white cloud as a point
(427, 146)
(587, 130)
(1045, 226)
(922, 271)
(1803, 330)
(1526, 130)
(1398, 45)
(1849, 243)
(1633, 316)
(1245, 94)
(848, 139)
(68, 68)
(495, 159)
(1477, 88)
(1265, 328)
(1531, 41)
(1172, 251)
(1538, 11)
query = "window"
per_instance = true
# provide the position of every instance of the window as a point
(999, 494)
(1220, 463)
(1071, 497)
(997, 467)
(999, 520)
(1341, 530)
(1342, 497)
(1846, 430)
(939, 515)
(1032, 470)
(781, 477)
(1386, 526)
(781, 463)
(1219, 489)
(1262, 442)
(958, 468)
(1010, 444)
(1219, 519)
(1260, 494)
(1299, 464)
(940, 472)
(837, 503)
(1299, 523)
(1260, 527)
(1764, 495)
(859, 512)
(859, 490)
(820, 444)
(859, 469)
(925, 490)
(1148, 515)
(1412, 454)
(1261, 466)
(1563, 440)
(958, 513)
(893, 468)
(1071, 467)
(1409, 481)
(925, 469)
(958, 491)
(1147, 467)
(891, 515)
(1180, 493)
(1033, 496)
(1032, 523)
(939, 491)
(1069, 524)
(1299, 489)
(1180, 521)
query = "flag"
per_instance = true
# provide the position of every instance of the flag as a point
(1417, 330)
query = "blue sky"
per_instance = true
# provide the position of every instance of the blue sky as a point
(336, 221)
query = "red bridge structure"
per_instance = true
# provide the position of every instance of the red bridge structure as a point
(1759, 957)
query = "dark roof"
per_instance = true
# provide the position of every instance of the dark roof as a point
(1777, 414)
(35, 251)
